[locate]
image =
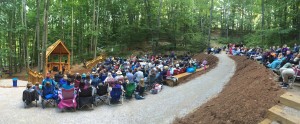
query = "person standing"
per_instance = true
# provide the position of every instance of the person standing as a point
(63, 69)
(296, 48)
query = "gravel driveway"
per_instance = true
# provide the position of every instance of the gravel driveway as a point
(155, 109)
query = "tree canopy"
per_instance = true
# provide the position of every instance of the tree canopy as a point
(28, 27)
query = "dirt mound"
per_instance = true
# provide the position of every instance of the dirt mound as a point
(211, 60)
(79, 69)
(245, 99)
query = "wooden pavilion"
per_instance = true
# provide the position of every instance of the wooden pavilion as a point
(55, 53)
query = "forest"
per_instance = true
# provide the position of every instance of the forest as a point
(118, 27)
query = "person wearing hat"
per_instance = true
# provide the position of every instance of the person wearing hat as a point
(119, 76)
(83, 76)
(110, 80)
(63, 81)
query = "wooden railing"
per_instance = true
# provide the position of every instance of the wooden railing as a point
(34, 77)
(92, 63)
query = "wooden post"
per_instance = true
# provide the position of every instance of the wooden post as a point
(69, 63)
(60, 68)
(46, 66)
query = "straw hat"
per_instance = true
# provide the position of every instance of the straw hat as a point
(119, 72)
(166, 67)
(65, 77)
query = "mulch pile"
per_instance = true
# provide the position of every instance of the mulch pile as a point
(211, 60)
(245, 99)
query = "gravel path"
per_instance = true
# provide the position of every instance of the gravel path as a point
(161, 108)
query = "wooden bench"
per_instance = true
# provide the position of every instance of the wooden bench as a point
(181, 77)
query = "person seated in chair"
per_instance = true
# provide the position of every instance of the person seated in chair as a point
(119, 76)
(37, 88)
(48, 79)
(57, 77)
(30, 94)
(77, 80)
(63, 81)
(49, 91)
(276, 62)
(95, 81)
(286, 74)
(110, 80)
(204, 63)
(29, 87)
(288, 57)
(138, 75)
(85, 91)
(295, 60)
(84, 94)
(68, 85)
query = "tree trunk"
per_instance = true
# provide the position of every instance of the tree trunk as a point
(10, 38)
(93, 28)
(38, 47)
(148, 15)
(25, 49)
(45, 34)
(262, 20)
(210, 22)
(72, 36)
(62, 19)
(227, 26)
(159, 24)
(97, 26)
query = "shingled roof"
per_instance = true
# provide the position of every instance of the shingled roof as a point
(57, 48)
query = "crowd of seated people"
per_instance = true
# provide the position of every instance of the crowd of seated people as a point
(282, 60)
(146, 73)
(214, 50)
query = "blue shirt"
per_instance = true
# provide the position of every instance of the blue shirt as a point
(62, 82)
(47, 80)
(67, 87)
(129, 76)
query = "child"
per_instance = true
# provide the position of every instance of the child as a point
(37, 88)
(30, 94)
(141, 87)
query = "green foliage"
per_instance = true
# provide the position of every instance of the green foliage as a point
(144, 25)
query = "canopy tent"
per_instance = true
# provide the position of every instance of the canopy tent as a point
(57, 49)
